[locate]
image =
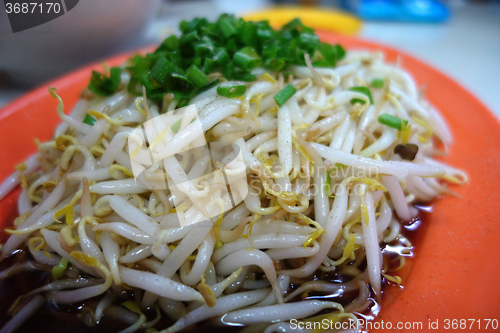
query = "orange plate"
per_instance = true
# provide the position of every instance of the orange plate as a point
(455, 272)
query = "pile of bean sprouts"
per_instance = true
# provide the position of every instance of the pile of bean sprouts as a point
(327, 193)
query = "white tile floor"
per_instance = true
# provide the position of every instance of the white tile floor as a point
(467, 48)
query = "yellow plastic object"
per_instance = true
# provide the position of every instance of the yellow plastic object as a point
(315, 17)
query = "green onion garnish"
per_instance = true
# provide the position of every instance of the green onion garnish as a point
(58, 271)
(161, 69)
(221, 57)
(244, 76)
(284, 94)
(197, 77)
(364, 91)
(246, 59)
(391, 121)
(101, 85)
(226, 27)
(89, 120)
(229, 89)
(377, 83)
(331, 53)
(209, 86)
(230, 46)
(176, 126)
(328, 183)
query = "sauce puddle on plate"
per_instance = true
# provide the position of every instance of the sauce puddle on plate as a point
(71, 318)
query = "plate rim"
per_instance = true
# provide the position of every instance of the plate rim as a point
(65, 80)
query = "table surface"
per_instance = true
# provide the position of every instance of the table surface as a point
(466, 48)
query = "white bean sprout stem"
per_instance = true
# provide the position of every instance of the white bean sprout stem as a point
(329, 188)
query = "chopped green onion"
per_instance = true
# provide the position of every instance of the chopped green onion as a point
(183, 26)
(176, 126)
(226, 27)
(244, 76)
(221, 57)
(209, 86)
(270, 51)
(197, 76)
(161, 69)
(210, 30)
(340, 52)
(169, 44)
(362, 90)
(203, 50)
(246, 58)
(101, 85)
(327, 186)
(230, 89)
(275, 64)
(308, 40)
(247, 32)
(228, 70)
(264, 31)
(284, 94)
(391, 121)
(58, 271)
(230, 46)
(89, 120)
(180, 86)
(328, 181)
(293, 25)
(189, 38)
(331, 53)
(183, 102)
(377, 83)
(208, 66)
(321, 63)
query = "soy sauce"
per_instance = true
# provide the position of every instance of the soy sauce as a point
(63, 319)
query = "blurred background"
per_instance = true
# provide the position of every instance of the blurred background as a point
(460, 38)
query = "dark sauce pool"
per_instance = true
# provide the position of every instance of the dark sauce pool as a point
(50, 318)
(62, 319)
